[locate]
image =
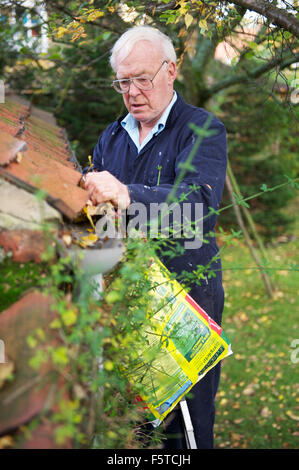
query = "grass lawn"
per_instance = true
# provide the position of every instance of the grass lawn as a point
(257, 405)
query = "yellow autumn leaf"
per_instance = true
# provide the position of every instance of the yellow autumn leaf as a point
(90, 162)
(223, 402)
(80, 19)
(291, 415)
(203, 24)
(75, 24)
(86, 211)
(95, 15)
(264, 318)
(188, 20)
(88, 240)
(61, 31)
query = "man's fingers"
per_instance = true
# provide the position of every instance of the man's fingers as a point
(103, 187)
(102, 195)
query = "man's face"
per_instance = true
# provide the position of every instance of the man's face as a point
(144, 60)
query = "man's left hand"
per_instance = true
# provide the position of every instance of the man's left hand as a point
(102, 186)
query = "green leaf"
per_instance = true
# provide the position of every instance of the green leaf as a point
(55, 323)
(213, 211)
(59, 356)
(113, 296)
(69, 317)
(201, 131)
(31, 341)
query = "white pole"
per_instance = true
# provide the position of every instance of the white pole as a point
(189, 431)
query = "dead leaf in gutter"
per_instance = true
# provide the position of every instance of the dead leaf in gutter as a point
(88, 240)
(86, 211)
(67, 239)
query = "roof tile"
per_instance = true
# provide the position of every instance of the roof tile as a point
(9, 147)
(61, 192)
(16, 324)
(46, 162)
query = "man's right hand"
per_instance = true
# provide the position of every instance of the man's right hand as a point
(102, 186)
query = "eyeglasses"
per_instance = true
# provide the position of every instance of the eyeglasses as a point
(143, 83)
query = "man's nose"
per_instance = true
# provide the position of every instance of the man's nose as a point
(134, 90)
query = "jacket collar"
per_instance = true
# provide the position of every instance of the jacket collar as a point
(174, 113)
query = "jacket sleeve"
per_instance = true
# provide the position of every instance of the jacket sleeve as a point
(97, 159)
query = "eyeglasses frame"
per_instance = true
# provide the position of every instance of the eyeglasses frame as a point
(134, 78)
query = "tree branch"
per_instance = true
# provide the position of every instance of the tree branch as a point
(206, 48)
(282, 62)
(280, 17)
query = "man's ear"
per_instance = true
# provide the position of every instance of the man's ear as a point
(172, 71)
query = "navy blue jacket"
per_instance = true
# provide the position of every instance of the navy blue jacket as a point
(117, 153)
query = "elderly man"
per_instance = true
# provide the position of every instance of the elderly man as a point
(137, 159)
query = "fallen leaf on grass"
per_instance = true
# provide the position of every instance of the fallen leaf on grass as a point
(291, 415)
(236, 437)
(263, 319)
(278, 295)
(239, 357)
(250, 389)
(266, 412)
(238, 420)
(223, 401)
(243, 317)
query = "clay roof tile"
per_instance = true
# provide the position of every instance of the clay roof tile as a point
(43, 153)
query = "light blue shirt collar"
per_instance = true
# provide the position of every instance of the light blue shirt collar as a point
(130, 124)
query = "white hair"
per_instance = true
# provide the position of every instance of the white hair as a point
(128, 39)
